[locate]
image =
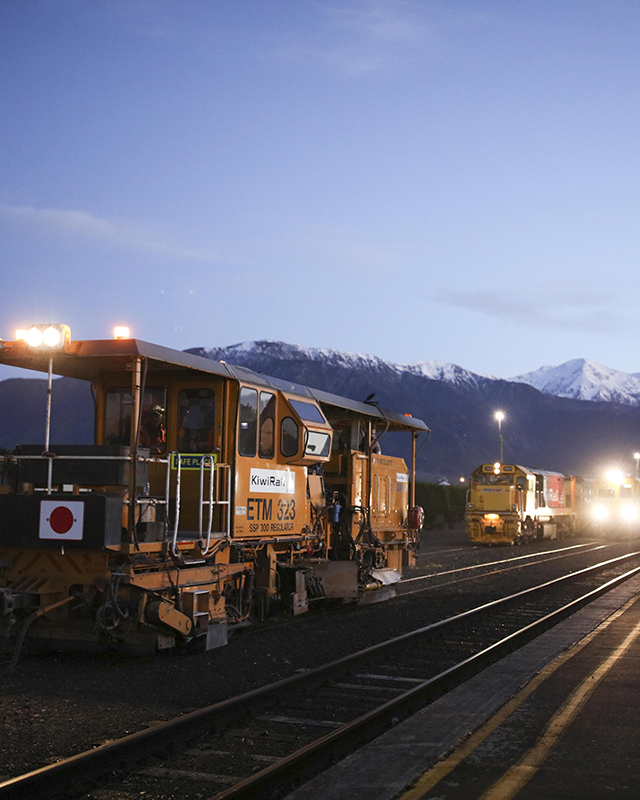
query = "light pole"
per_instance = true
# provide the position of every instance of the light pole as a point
(637, 458)
(499, 415)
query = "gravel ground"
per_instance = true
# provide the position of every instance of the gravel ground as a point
(56, 705)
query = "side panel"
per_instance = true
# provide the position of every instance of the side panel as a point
(555, 491)
(270, 499)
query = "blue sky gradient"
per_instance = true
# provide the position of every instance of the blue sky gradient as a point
(419, 180)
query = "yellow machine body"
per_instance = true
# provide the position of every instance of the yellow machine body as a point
(210, 493)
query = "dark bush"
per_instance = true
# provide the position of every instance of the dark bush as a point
(444, 506)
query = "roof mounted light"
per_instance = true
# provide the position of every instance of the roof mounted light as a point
(615, 476)
(121, 332)
(51, 336)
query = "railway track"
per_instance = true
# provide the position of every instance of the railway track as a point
(486, 568)
(264, 742)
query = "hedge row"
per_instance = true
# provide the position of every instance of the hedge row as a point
(444, 506)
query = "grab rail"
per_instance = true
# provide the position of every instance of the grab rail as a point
(206, 459)
(174, 544)
(215, 498)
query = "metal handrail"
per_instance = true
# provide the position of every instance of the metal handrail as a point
(53, 456)
(215, 499)
(227, 502)
(204, 460)
(174, 544)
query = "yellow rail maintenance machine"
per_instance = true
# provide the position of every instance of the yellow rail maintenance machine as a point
(210, 493)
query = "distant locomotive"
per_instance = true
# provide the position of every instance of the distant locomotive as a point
(615, 507)
(211, 491)
(510, 504)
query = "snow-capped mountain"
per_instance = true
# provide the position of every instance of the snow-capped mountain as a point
(441, 371)
(433, 370)
(578, 379)
(238, 354)
(581, 379)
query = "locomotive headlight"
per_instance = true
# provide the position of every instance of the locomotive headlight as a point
(33, 337)
(600, 512)
(629, 513)
(47, 337)
(51, 337)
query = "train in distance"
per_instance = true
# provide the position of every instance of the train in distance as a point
(512, 504)
(211, 492)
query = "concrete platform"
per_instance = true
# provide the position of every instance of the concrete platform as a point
(558, 719)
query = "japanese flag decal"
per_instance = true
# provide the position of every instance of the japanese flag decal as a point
(61, 520)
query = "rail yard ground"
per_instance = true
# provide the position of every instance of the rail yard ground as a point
(57, 704)
(556, 719)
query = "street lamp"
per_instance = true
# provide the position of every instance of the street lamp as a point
(499, 415)
(637, 458)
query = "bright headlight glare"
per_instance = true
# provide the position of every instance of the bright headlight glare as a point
(599, 512)
(51, 336)
(34, 337)
(629, 512)
(48, 336)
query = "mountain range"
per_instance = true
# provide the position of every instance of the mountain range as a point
(576, 418)
(578, 379)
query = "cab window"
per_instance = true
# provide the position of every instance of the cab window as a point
(318, 444)
(117, 423)
(501, 480)
(196, 420)
(248, 422)
(289, 437)
(267, 425)
(307, 411)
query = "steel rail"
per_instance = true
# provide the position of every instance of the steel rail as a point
(73, 775)
(487, 574)
(563, 552)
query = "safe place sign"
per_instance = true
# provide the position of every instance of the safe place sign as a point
(192, 460)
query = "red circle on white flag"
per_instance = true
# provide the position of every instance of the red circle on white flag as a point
(61, 520)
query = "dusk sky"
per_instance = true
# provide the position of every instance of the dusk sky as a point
(453, 181)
